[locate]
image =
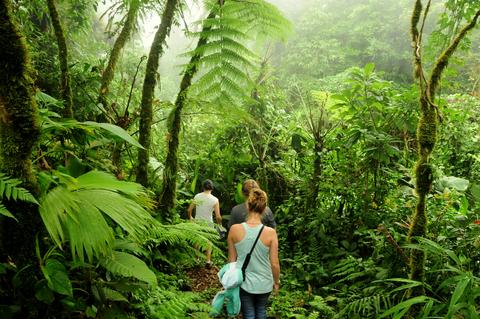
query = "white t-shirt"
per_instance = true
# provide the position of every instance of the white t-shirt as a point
(204, 205)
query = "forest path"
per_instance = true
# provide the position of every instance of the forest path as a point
(205, 279)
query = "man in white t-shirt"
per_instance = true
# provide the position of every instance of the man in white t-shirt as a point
(205, 204)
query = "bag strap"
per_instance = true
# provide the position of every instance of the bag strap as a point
(249, 255)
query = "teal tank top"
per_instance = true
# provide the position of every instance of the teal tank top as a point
(258, 275)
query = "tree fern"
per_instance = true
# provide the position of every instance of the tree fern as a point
(226, 61)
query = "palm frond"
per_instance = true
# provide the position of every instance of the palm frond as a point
(89, 234)
(75, 211)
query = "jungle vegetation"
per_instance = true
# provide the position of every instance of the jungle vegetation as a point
(359, 118)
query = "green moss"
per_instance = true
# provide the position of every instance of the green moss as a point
(19, 131)
(167, 193)
(424, 175)
(442, 61)
(63, 58)
(149, 84)
(120, 42)
(417, 11)
(427, 132)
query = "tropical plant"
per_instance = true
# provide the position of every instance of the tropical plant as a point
(10, 190)
(73, 209)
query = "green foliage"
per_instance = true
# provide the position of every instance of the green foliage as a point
(74, 210)
(127, 265)
(10, 190)
(225, 59)
(162, 303)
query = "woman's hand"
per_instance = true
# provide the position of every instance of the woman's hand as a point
(276, 287)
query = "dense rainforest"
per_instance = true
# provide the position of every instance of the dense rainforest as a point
(359, 118)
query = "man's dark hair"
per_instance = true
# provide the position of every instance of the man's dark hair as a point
(248, 185)
(207, 185)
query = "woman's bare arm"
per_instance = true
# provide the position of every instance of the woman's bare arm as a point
(274, 261)
(232, 252)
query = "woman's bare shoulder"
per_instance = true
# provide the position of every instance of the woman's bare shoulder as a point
(270, 231)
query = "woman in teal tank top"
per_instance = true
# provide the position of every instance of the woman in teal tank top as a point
(263, 271)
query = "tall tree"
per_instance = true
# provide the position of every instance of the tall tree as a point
(19, 133)
(169, 185)
(224, 59)
(426, 130)
(65, 86)
(119, 44)
(148, 91)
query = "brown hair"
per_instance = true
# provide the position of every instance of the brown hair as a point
(257, 201)
(248, 185)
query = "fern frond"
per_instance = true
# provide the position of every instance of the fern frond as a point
(170, 304)
(225, 58)
(9, 189)
(366, 306)
(5, 212)
(186, 234)
(220, 33)
(128, 265)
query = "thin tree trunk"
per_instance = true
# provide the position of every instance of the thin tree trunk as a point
(426, 138)
(19, 133)
(169, 185)
(149, 89)
(65, 87)
(118, 46)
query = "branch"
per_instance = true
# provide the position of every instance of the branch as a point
(442, 61)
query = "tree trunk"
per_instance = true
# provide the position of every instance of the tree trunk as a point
(426, 138)
(119, 44)
(169, 185)
(19, 132)
(149, 89)
(65, 87)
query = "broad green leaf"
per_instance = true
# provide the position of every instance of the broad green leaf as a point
(458, 292)
(117, 131)
(405, 305)
(457, 183)
(114, 295)
(43, 293)
(56, 275)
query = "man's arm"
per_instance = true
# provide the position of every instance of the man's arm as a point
(190, 209)
(268, 218)
(218, 217)
(233, 217)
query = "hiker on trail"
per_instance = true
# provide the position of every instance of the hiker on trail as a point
(263, 271)
(205, 204)
(239, 213)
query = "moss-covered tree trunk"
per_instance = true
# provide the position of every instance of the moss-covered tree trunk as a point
(148, 91)
(118, 46)
(19, 132)
(426, 135)
(65, 87)
(169, 185)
